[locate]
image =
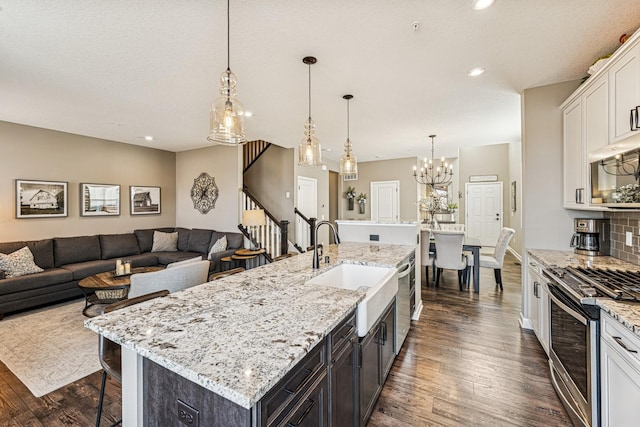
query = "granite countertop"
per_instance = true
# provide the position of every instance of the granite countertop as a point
(627, 313)
(240, 335)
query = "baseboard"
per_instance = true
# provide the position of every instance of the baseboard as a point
(418, 310)
(515, 254)
(525, 323)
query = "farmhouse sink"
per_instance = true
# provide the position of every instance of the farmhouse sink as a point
(381, 286)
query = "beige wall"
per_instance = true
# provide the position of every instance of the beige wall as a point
(485, 160)
(546, 224)
(225, 165)
(383, 170)
(270, 178)
(40, 154)
(515, 174)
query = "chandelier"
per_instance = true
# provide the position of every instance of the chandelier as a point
(433, 175)
(227, 113)
(623, 165)
(309, 149)
(348, 161)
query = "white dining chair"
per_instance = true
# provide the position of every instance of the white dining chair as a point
(449, 254)
(426, 256)
(496, 260)
(452, 227)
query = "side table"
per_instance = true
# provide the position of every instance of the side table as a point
(247, 255)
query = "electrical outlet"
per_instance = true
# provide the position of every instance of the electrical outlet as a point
(629, 238)
(187, 415)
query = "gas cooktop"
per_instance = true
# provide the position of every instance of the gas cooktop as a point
(589, 283)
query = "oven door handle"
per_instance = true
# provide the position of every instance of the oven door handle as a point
(580, 318)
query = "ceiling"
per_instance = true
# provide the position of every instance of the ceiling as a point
(120, 70)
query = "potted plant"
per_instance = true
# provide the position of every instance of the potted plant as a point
(350, 194)
(362, 199)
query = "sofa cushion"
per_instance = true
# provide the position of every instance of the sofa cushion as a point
(164, 242)
(165, 258)
(146, 259)
(18, 263)
(200, 240)
(42, 250)
(70, 250)
(50, 276)
(235, 240)
(145, 237)
(183, 238)
(80, 270)
(118, 245)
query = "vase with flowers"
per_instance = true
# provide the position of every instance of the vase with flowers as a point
(362, 200)
(350, 194)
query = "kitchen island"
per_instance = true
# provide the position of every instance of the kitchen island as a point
(239, 336)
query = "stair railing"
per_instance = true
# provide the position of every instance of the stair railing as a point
(273, 236)
(307, 235)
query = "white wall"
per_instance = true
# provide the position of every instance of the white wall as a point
(225, 165)
(40, 154)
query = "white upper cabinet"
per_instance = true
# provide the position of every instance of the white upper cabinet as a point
(624, 83)
(574, 156)
(596, 114)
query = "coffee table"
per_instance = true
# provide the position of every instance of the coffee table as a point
(106, 288)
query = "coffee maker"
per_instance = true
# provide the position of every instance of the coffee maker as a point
(591, 237)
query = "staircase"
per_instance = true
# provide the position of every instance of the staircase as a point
(252, 151)
(273, 236)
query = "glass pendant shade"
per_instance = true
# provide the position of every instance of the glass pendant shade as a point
(309, 152)
(348, 161)
(226, 118)
(227, 114)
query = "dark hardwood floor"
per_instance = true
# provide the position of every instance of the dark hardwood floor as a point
(466, 362)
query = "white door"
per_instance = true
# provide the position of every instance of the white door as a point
(483, 208)
(308, 205)
(385, 201)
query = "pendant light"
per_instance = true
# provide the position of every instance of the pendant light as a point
(348, 161)
(309, 150)
(227, 113)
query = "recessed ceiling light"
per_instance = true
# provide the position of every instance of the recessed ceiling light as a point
(148, 138)
(248, 114)
(474, 72)
(379, 157)
(326, 149)
(481, 4)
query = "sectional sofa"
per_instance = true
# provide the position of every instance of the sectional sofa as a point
(67, 260)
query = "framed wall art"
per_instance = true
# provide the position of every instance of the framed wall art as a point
(41, 199)
(99, 200)
(144, 200)
(204, 193)
(513, 196)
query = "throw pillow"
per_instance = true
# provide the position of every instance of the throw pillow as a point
(19, 263)
(219, 246)
(165, 242)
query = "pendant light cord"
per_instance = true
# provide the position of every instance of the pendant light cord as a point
(228, 38)
(309, 91)
(347, 119)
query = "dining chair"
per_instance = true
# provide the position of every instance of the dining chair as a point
(426, 256)
(452, 227)
(449, 254)
(496, 260)
(173, 279)
(109, 353)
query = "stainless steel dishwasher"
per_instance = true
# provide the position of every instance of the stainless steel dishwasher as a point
(403, 304)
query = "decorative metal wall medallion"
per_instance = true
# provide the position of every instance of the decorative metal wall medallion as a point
(204, 193)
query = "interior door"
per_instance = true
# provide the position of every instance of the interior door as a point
(308, 205)
(483, 209)
(385, 201)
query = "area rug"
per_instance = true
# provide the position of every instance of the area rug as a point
(49, 348)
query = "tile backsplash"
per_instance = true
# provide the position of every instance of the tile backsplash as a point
(621, 223)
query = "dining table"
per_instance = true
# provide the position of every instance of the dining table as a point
(473, 245)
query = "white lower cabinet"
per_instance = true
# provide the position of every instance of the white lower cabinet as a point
(619, 374)
(538, 302)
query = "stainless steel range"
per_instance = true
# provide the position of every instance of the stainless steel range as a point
(574, 353)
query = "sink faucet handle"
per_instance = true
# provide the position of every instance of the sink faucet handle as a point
(326, 259)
